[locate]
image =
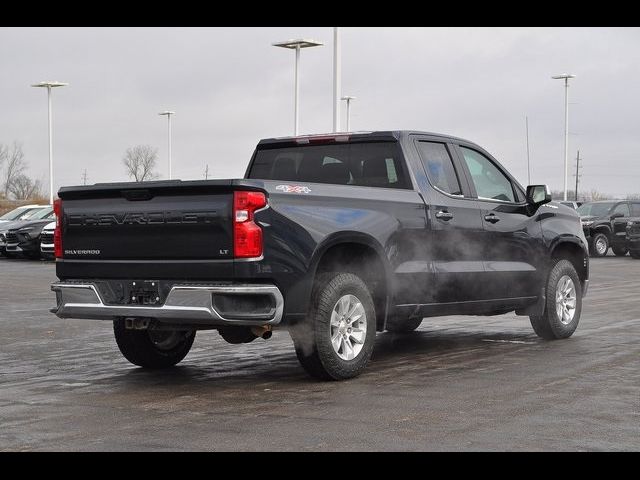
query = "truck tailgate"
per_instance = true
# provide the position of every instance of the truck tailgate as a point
(161, 221)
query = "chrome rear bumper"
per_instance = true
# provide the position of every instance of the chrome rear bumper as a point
(191, 304)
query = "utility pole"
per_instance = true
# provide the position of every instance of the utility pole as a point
(577, 174)
(206, 172)
(84, 177)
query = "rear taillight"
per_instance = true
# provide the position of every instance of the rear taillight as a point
(57, 233)
(247, 236)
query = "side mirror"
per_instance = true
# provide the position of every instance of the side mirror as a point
(616, 215)
(538, 195)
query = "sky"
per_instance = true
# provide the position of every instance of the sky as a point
(230, 87)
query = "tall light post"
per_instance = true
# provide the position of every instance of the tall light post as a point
(565, 77)
(297, 45)
(49, 86)
(168, 114)
(336, 80)
(348, 100)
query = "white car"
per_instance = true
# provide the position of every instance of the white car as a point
(46, 241)
(21, 213)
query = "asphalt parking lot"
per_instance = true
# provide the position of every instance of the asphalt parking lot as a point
(458, 383)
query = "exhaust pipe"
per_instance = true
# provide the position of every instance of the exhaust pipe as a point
(263, 331)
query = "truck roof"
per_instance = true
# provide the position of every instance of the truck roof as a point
(379, 135)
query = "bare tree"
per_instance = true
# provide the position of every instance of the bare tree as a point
(23, 188)
(140, 162)
(595, 195)
(633, 196)
(15, 165)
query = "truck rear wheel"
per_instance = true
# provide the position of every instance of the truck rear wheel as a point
(564, 303)
(336, 340)
(402, 325)
(619, 251)
(153, 349)
(599, 245)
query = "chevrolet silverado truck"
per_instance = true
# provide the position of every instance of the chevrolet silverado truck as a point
(605, 223)
(332, 237)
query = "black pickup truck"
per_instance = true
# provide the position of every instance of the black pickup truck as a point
(633, 237)
(604, 224)
(333, 237)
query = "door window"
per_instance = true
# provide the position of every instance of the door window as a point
(489, 181)
(622, 208)
(635, 209)
(439, 167)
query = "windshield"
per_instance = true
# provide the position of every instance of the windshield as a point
(595, 209)
(19, 213)
(42, 214)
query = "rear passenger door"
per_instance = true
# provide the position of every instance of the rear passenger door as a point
(455, 225)
(511, 242)
(620, 223)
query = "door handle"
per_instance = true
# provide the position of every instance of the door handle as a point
(442, 215)
(491, 218)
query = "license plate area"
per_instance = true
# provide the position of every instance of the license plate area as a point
(143, 292)
(133, 292)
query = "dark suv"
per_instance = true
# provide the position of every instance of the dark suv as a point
(604, 224)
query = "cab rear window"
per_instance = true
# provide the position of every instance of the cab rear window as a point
(364, 164)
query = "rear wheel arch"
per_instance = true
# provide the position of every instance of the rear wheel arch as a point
(362, 256)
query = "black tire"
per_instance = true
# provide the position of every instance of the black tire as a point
(549, 326)
(402, 325)
(599, 237)
(138, 347)
(619, 251)
(312, 337)
(635, 254)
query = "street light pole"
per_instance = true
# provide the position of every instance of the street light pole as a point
(49, 86)
(526, 121)
(297, 45)
(566, 77)
(168, 114)
(348, 100)
(336, 80)
(296, 100)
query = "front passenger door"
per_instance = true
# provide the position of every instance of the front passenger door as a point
(512, 239)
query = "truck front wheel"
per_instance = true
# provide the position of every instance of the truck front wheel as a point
(153, 349)
(599, 245)
(336, 340)
(564, 303)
